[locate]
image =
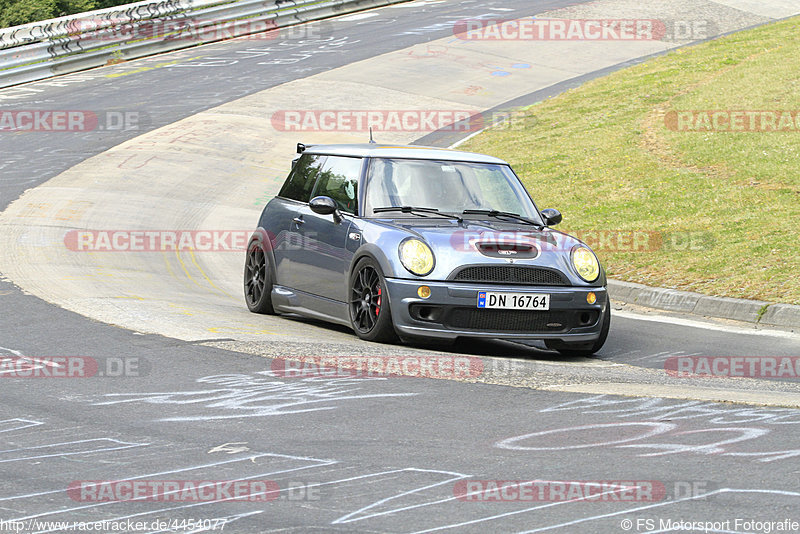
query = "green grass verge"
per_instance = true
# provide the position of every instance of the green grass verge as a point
(727, 203)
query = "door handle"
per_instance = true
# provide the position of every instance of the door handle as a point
(299, 220)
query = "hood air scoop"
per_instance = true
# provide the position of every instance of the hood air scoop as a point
(508, 250)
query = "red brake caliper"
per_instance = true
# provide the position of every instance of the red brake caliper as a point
(378, 303)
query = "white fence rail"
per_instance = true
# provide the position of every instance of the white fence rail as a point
(59, 46)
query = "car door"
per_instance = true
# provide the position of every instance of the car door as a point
(321, 262)
(285, 210)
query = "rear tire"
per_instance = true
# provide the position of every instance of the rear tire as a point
(370, 315)
(587, 349)
(258, 280)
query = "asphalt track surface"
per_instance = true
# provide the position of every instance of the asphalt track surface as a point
(370, 454)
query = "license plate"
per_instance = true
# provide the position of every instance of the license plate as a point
(513, 301)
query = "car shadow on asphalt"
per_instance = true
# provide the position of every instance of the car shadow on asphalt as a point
(499, 348)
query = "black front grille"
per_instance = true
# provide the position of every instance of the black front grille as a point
(511, 274)
(509, 320)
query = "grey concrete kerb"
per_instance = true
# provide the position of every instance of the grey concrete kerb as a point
(751, 311)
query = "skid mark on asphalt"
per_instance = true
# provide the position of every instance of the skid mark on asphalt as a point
(210, 282)
(181, 279)
(186, 271)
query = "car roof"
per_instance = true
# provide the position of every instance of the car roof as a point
(375, 150)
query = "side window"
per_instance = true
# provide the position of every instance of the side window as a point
(339, 180)
(301, 180)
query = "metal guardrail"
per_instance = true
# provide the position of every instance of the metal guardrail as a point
(59, 46)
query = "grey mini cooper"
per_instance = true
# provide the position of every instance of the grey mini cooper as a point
(416, 242)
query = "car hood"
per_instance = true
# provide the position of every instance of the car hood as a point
(443, 233)
(492, 241)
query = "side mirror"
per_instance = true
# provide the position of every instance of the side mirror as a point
(551, 217)
(324, 206)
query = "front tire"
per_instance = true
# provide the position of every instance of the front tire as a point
(584, 350)
(370, 314)
(258, 280)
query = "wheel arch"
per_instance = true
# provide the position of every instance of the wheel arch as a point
(374, 252)
(386, 330)
(267, 241)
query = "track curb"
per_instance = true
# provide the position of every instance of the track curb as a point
(751, 311)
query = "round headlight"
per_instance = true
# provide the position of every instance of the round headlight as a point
(585, 263)
(416, 256)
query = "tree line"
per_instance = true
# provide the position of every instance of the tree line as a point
(16, 12)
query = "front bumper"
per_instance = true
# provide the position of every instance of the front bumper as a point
(451, 311)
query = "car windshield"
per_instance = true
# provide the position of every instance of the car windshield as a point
(447, 186)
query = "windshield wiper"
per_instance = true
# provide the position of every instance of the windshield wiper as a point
(412, 209)
(495, 213)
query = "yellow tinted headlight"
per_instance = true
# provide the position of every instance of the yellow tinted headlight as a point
(416, 256)
(585, 263)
